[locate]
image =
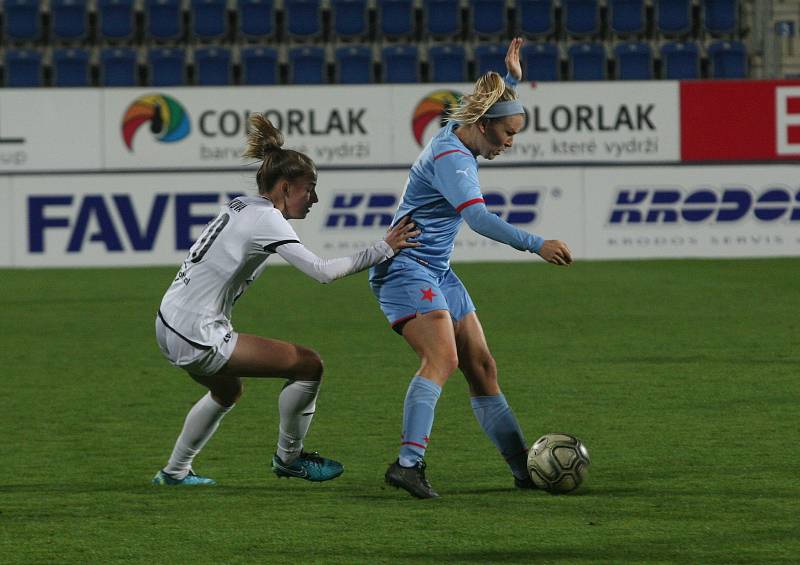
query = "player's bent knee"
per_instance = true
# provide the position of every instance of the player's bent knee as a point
(310, 367)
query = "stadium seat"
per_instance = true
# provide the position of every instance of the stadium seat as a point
(680, 60)
(166, 66)
(256, 19)
(115, 19)
(587, 61)
(303, 18)
(490, 57)
(727, 59)
(259, 65)
(209, 19)
(71, 67)
(541, 62)
(720, 16)
(447, 63)
(307, 65)
(22, 20)
(395, 18)
(400, 64)
(581, 17)
(535, 18)
(626, 16)
(164, 19)
(118, 66)
(350, 18)
(634, 61)
(441, 18)
(23, 68)
(212, 66)
(354, 64)
(69, 20)
(673, 17)
(488, 18)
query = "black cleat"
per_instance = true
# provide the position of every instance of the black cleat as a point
(524, 484)
(411, 479)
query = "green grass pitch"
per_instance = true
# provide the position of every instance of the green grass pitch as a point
(681, 377)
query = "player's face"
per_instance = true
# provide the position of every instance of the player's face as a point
(498, 135)
(302, 196)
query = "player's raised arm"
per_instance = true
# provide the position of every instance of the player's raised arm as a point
(512, 58)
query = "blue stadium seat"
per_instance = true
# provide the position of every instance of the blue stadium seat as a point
(350, 18)
(587, 61)
(212, 66)
(118, 66)
(23, 68)
(259, 65)
(680, 60)
(69, 20)
(22, 20)
(256, 18)
(634, 61)
(673, 17)
(395, 18)
(626, 16)
(490, 57)
(354, 64)
(166, 66)
(535, 18)
(209, 19)
(728, 59)
(488, 17)
(581, 17)
(721, 16)
(307, 65)
(541, 62)
(164, 19)
(447, 63)
(400, 64)
(115, 19)
(71, 67)
(303, 18)
(441, 18)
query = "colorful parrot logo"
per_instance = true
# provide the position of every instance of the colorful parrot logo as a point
(435, 106)
(169, 121)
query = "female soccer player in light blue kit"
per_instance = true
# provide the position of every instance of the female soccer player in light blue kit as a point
(423, 298)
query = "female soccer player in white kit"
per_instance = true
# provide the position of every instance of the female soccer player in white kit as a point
(193, 325)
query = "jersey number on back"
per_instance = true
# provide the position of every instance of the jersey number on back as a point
(212, 231)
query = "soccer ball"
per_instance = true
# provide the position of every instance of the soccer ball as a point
(558, 463)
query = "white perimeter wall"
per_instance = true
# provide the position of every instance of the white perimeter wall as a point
(602, 212)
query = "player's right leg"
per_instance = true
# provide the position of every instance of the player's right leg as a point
(431, 336)
(269, 358)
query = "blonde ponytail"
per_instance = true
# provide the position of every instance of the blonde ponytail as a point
(490, 88)
(262, 139)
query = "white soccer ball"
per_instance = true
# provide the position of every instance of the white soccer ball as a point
(558, 463)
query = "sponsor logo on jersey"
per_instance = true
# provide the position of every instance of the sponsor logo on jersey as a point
(168, 119)
(721, 205)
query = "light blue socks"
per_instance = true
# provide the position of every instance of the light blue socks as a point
(498, 421)
(418, 412)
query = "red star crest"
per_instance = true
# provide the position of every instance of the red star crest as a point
(428, 294)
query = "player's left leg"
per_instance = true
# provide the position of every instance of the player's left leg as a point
(488, 402)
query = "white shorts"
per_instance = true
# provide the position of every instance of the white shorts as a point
(195, 358)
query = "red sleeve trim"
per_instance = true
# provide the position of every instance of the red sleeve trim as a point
(469, 203)
(448, 153)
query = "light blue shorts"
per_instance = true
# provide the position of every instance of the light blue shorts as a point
(405, 288)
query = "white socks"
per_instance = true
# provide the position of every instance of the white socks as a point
(201, 423)
(296, 404)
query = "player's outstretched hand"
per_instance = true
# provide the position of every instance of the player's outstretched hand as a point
(512, 58)
(555, 252)
(399, 235)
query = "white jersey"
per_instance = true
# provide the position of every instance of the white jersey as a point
(230, 254)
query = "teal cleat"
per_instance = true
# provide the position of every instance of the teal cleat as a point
(191, 479)
(309, 466)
